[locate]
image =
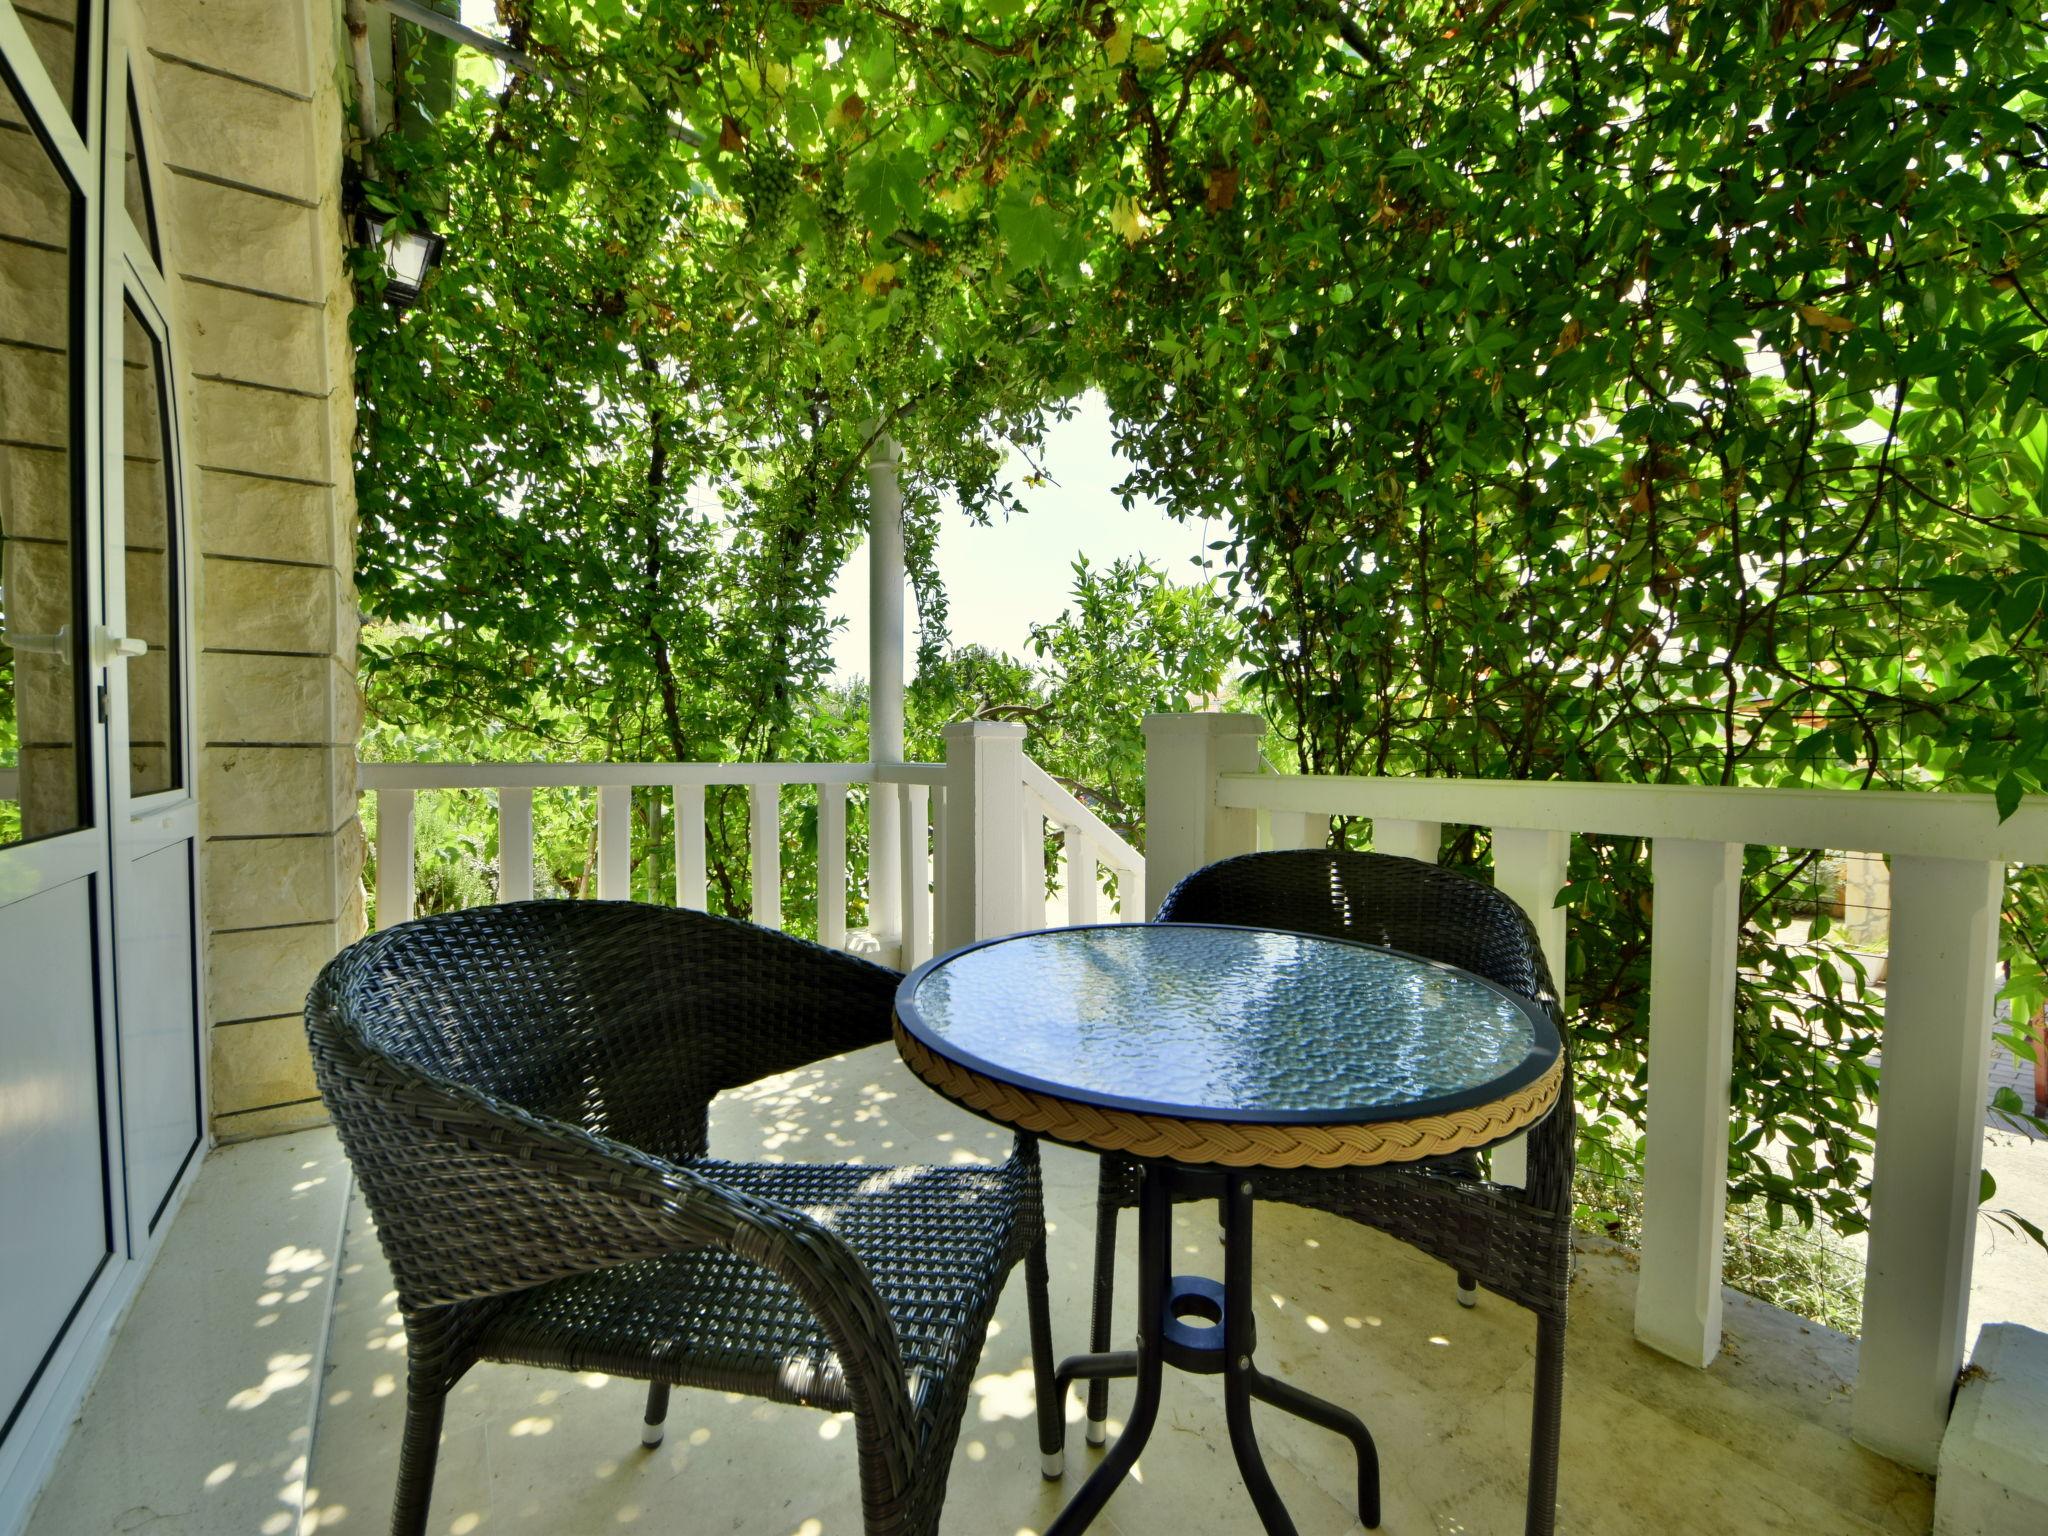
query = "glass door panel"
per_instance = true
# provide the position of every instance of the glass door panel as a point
(155, 744)
(43, 684)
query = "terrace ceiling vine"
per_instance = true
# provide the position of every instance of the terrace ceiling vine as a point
(1637, 392)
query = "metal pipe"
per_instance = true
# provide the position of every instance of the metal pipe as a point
(358, 23)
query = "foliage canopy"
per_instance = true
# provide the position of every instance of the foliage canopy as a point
(1636, 393)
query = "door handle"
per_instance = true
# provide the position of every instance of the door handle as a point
(108, 646)
(58, 644)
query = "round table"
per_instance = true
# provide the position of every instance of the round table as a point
(1208, 1051)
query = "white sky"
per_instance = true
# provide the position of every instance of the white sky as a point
(1002, 579)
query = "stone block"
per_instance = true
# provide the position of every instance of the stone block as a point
(1992, 1479)
(229, 235)
(267, 791)
(277, 700)
(255, 1066)
(251, 605)
(35, 391)
(237, 132)
(278, 1120)
(33, 204)
(255, 39)
(268, 882)
(265, 519)
(261, 432)
(35, 492)
(265, 972)
(256, 340)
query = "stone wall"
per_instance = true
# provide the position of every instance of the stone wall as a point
(244, 98)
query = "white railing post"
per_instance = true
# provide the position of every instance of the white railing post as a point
(1031, 902)
(914, 807)
(1932, 1083)
(832, 865)
(690, 861)
(984, 806)
(1185, 828)
(1530, 867)
(764, 837)
(394, 856)
(515, 845)
(1422, 840)
(1692, 1035)
(614, 842)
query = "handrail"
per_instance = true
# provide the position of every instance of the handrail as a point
(601, 775)
(932, 775)
(1063, 806)
(1921, 823)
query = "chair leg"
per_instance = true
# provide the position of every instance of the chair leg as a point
(417, 1453)
(1546, 1426)
(1105, 1286)
(651, 1429)
(1468, 1290)
(1050, 1401)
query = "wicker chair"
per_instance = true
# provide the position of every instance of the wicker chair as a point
(1514, 1242)
(522, 1092)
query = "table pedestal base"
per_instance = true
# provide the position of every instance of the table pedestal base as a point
(1192, 1323)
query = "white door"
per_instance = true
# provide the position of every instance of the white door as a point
(100, 1087)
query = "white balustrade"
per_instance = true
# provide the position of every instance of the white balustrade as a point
(832, 865)
(515, 845)
(614, 842)
(1948, 853)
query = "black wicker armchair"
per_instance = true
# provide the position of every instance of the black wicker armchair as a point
(1514, 1242)
(522, 1092)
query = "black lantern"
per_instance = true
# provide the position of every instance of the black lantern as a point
(408, 255)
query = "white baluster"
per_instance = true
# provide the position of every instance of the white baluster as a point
(914, 808)
(1932, 1085)
(1422, 840)
(394, 856)
(1692, 1032)
(690, 861)
(940, 866)
(1530, 867)
(832, 865)
(1031, 854)
(1084, 881)
(515, 845)
(764, 835)
(1297, 829)
(614, 842)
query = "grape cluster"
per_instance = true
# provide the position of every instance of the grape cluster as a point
(771, 181)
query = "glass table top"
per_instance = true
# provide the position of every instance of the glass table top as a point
(1236, 1024)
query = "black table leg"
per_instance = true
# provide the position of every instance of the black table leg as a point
(1212, 1339)
(1155, 1228)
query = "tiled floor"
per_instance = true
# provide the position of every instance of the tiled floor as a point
(199, 1423)
(1759, 1443)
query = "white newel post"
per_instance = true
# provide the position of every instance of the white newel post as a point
(1692, 1037)
(1184, 827)
(1933, 1081)
(984, 885)
(887, 573)
(1529, 865)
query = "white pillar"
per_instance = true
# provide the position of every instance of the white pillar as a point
(1529, 865)
(887, 575)
(1692, 1038)
(1933, 1080)
(983, 848)
(1184, 827)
